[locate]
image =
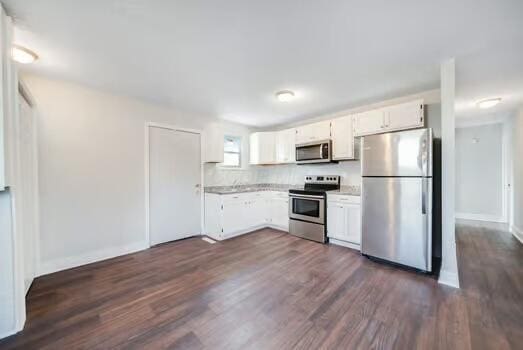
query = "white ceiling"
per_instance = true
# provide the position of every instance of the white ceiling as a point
(228, 58)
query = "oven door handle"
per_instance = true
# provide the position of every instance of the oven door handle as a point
(305, 196)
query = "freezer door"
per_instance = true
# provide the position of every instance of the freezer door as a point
(396, 220)
(406, 153)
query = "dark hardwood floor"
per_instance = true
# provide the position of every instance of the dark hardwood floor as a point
(270, 290)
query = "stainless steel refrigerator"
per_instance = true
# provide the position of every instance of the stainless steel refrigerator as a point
(397, 197)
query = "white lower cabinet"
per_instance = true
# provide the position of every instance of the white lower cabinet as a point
(229, 215)
(344, 220)
(279, 212)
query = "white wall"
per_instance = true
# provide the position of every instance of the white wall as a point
(91, 167)
(517, 154)
(479, 172)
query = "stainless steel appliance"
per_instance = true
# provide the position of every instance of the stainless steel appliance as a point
(307, 207)
(314, 152)
(397, 197)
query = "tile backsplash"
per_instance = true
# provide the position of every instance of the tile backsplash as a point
(349, 171)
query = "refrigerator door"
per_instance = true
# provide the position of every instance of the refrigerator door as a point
(396, 220)
(406, 153)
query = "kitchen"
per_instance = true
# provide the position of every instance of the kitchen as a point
(271, 175)
(331, 212)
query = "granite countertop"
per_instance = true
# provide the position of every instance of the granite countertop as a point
(344, 190)
(347, 190)
(248, 188)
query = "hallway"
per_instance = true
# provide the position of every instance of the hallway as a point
(491, 279)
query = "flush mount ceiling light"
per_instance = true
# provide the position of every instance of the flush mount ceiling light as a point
(285, 95)
(491, 102)
(22, 55)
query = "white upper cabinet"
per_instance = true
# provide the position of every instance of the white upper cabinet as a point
(313, 132)
(285, 146)
(403, 116)
(342, 138)
(213, 143)
(263, 148)
(368, 123)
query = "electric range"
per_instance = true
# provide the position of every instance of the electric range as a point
(307, 207)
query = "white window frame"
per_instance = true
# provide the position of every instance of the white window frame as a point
(239, 139)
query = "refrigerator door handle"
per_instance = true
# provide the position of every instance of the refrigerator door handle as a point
(423, 196)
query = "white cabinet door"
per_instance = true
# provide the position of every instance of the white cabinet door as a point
(404, 116)
(321, 130)
(285, 146)
(213, 144)
(353, 225)
(336, 221)
(280, 212)
(303, 134)
(257, 205)
(262, 148)
(314, 132)
(234, 215)
(368, 123)
(344, 221)
(342, 138)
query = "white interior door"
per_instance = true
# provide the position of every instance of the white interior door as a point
(28, 189)
(174, 185)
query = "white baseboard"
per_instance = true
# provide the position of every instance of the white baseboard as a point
(480, 217)
(518, 233)
(449, 278)
(243, 232)
(56, 265)
(8, 333)
(344, 244)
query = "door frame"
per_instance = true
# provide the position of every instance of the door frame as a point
(149, 125)
(507, 200)
(24, 94)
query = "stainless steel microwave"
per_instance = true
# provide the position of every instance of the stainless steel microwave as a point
(314, 152)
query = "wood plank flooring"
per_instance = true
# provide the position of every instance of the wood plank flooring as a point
(270, 290)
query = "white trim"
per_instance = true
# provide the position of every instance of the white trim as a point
(518, 233)
(449, 260)
(344, 244)
(481, 217)
(9, 333)
(448, 278)
(147, 176)
(90, 257)
(465, 122)
(225, 236)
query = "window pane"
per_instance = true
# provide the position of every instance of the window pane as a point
(232, 144)
(231, 159)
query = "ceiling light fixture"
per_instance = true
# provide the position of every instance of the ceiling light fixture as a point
(491, 102)
(22, 55)
(285, 95)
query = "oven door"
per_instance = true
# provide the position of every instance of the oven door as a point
(307, 208)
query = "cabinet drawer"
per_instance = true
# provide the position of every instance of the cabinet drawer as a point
(340, 198)
(281, 195)
(236, 196)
